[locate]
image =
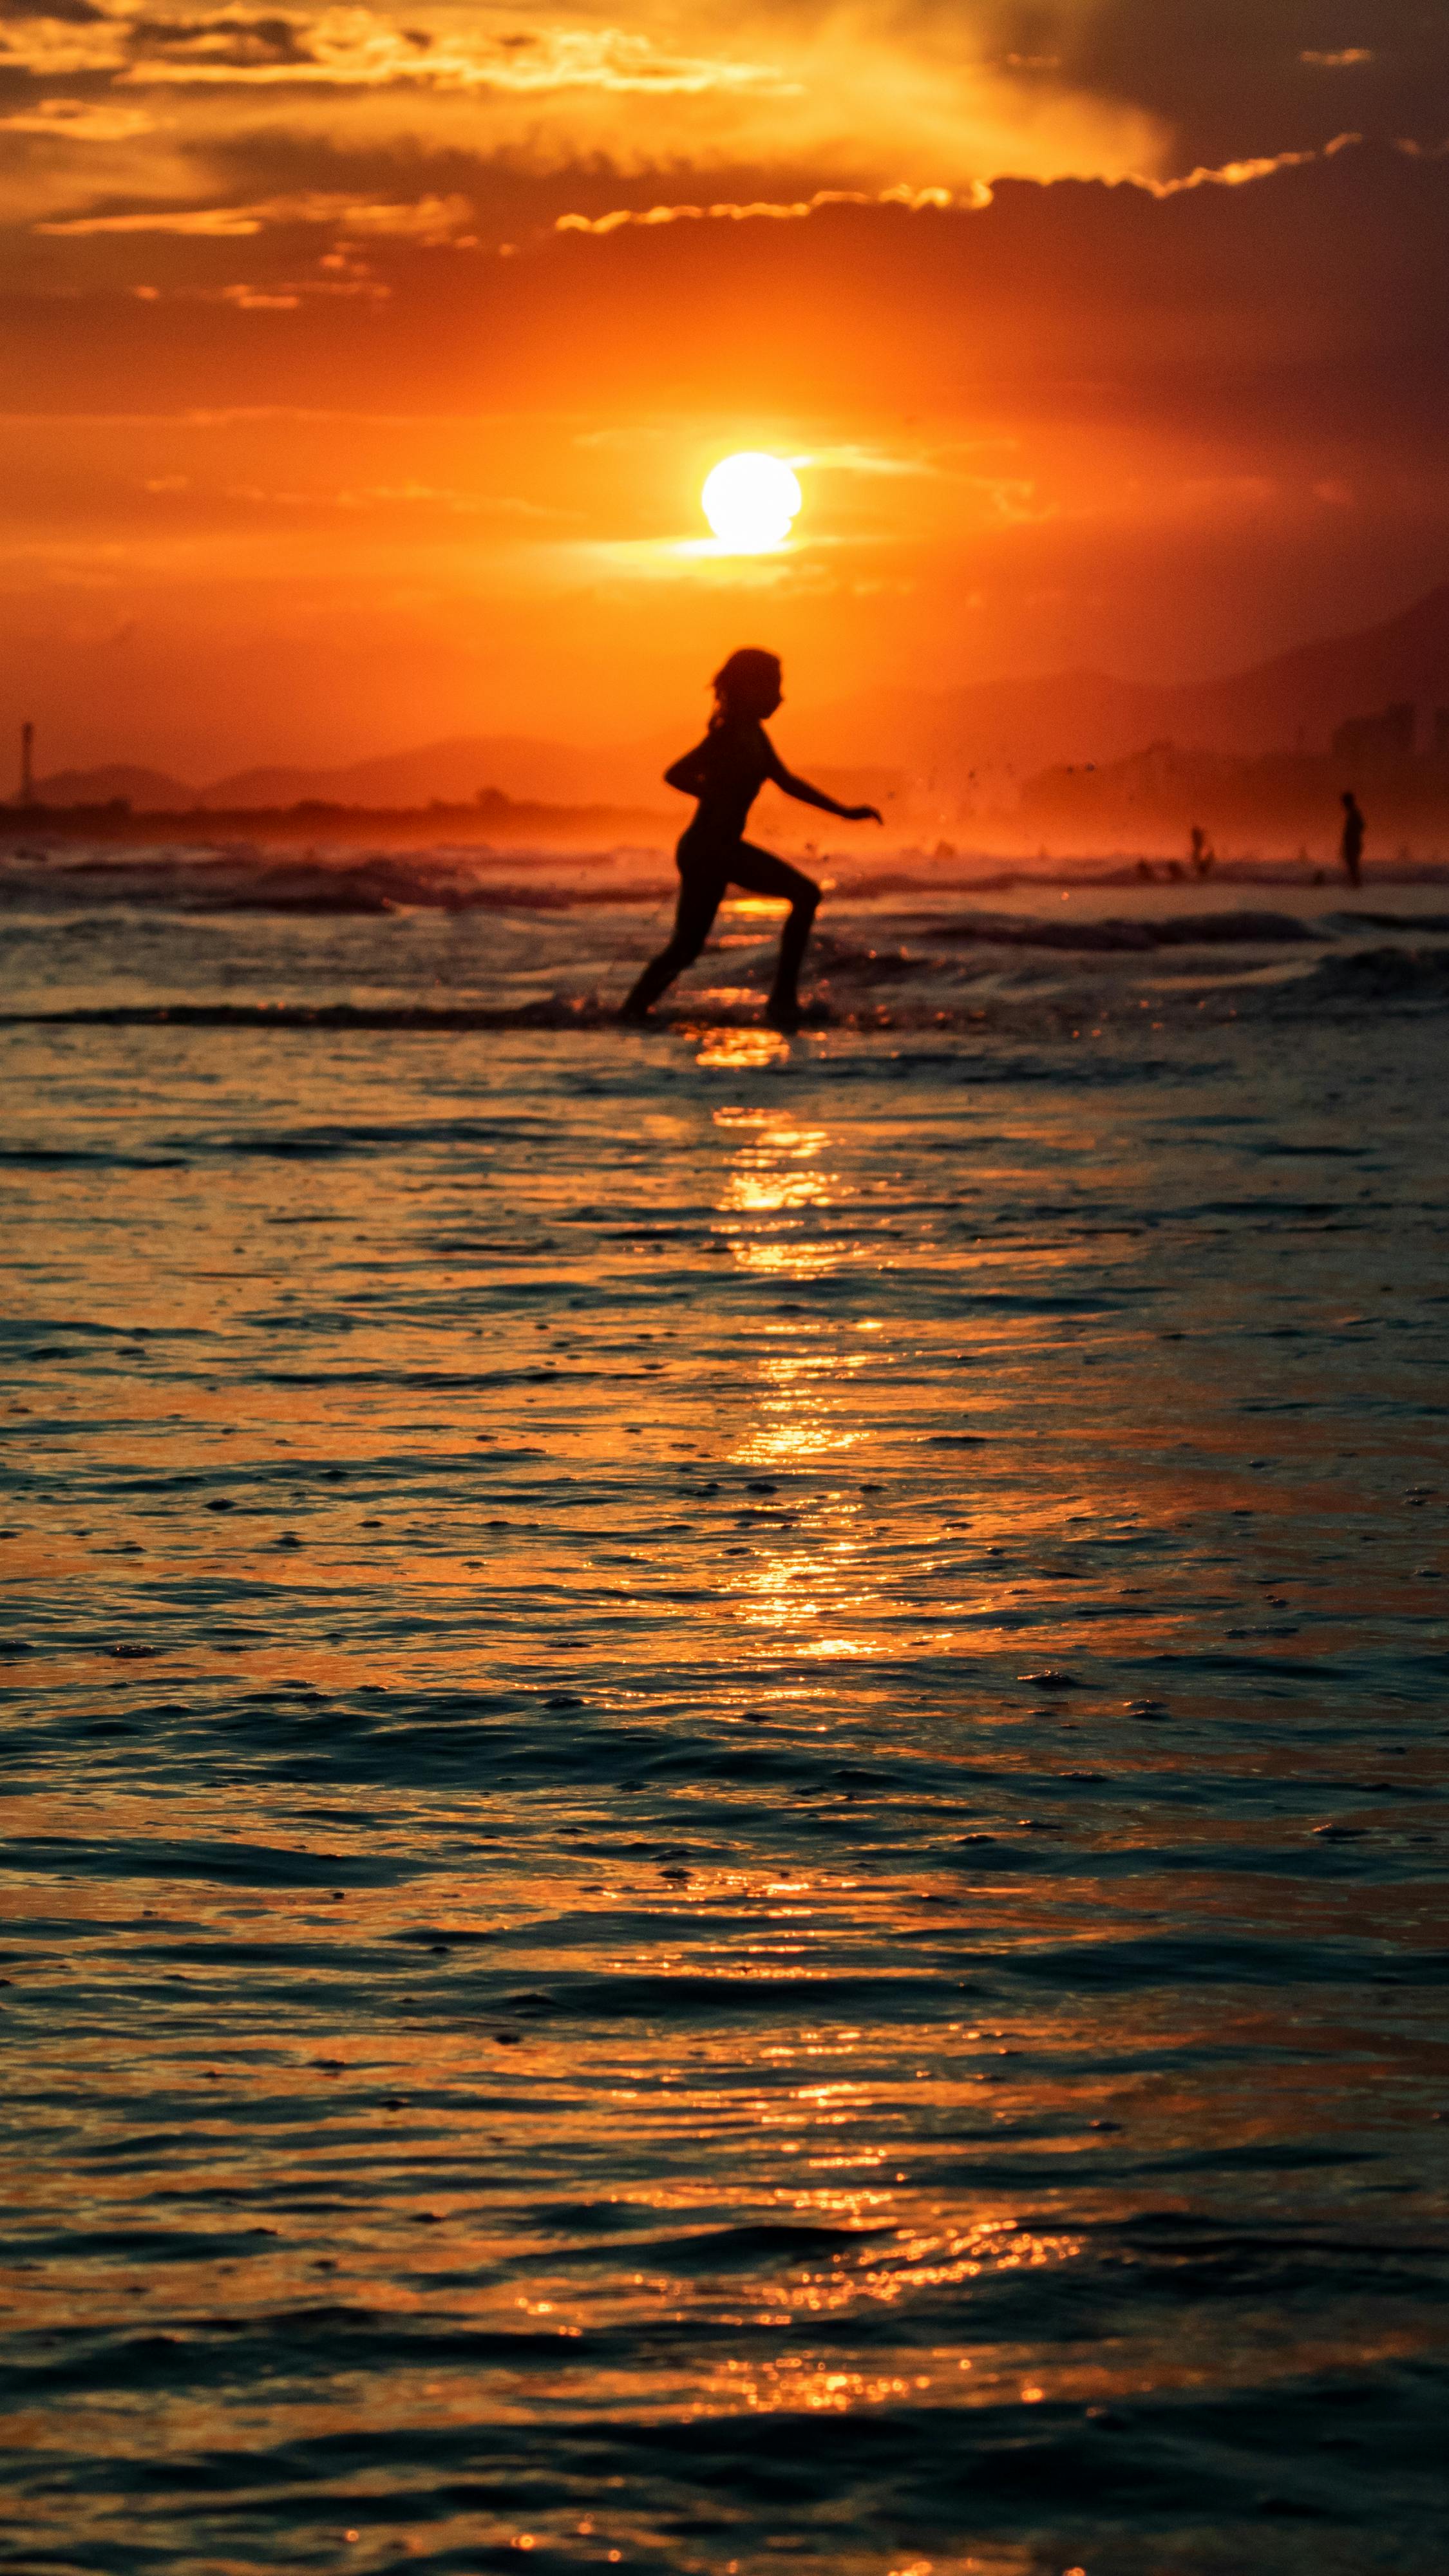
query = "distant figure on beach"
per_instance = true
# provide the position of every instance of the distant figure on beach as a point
(1350, 848)
(1203, 856)
(726, 772)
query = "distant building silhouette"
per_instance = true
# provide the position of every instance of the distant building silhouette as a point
(1350, 848)
(1377, 741)
(26, 796)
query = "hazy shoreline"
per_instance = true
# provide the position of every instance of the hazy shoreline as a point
(211, 871)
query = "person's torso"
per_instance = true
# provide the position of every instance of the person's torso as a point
(735, 761)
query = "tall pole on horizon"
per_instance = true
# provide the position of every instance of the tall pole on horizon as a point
(27, 764)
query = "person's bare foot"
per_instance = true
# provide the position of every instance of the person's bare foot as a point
(783, 1015)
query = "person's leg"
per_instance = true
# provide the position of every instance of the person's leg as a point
(760, 872)
(699, 901)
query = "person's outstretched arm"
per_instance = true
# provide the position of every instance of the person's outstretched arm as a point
(805, 794)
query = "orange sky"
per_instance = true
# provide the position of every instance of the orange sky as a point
(350, 402)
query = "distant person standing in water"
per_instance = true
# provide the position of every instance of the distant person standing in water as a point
(1350, 848)
(726, 772)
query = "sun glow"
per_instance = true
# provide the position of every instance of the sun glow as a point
(750, 501)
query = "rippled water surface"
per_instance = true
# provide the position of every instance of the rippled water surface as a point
(725, 1757)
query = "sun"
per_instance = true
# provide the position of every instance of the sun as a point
(750, 501)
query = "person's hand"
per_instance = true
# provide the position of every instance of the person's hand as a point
(864, 814)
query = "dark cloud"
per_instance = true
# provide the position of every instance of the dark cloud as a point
(1235, 77)
(71, 13)
(235, 41)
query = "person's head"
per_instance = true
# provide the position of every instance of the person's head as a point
(747, 686)
(1349, 800)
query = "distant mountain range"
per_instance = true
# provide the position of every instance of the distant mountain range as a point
(451, 773)
(1292, 702)
(932, 740)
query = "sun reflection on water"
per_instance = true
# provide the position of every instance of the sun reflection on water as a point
(800, 1586)
(740, 1050)
(759, 1184)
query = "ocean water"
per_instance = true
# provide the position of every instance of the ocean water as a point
(724, 1769)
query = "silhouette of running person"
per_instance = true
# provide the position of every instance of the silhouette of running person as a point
(1350, 848)
(726, 772)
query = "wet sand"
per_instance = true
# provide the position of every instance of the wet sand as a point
(724, 1792)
